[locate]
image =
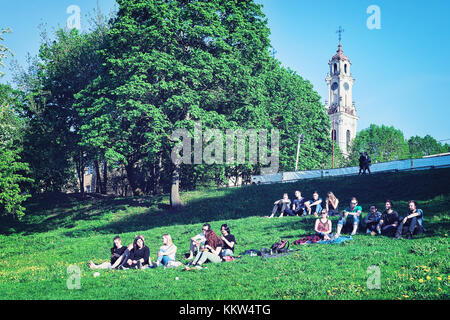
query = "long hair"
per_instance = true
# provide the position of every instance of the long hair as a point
(135, 246)
(169, 239)
(213, 240)
(331, 196)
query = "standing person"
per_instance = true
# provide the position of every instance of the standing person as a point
(198, 241)
(389, 220)
(367, 162)
(298, 205)
(372, 220)
(332, 204)
(139, 255)
(314, 205)
(119, 255)
(323, 226)
(211, 252)
(228, 241)
(361, 160)
(350, 217)
(167, 251)
(411, 223)
(282, 205)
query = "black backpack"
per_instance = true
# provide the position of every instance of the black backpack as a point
(280, 246)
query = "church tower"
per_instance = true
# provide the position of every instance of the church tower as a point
(340, 106)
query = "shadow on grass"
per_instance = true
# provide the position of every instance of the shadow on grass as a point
(50, 212)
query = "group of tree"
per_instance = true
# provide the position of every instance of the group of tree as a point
(110, 97)
(384, 143)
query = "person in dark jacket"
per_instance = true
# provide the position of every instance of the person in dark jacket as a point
(372, 220)
(361, 160)
(367, 162)
(139, 256)
(389, 220)
(119, 255)
(412, 223)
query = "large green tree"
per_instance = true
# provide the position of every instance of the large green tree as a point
(382, 143)
(420, 147)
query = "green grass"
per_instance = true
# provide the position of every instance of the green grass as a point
(60, 231)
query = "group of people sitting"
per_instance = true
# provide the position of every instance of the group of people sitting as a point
(388, 223)
(207, 246)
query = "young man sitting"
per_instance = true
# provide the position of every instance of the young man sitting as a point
(298, 205)
(314, 205)
(372, 220)
(412, 223)
(349, 217)
(282, 205)
(389, 220)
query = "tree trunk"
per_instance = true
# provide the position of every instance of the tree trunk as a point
(105, 177)
(98, 181)
(131, 175)
(175, 200)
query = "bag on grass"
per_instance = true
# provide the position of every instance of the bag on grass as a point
(280, 246)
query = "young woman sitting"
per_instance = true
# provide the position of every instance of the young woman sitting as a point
(167, 251)
(323, 226)
(139, 255)
(211, 252)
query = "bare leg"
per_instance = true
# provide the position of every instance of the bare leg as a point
(104, 265)
(355, 228)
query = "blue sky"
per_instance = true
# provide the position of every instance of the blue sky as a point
(401, 71)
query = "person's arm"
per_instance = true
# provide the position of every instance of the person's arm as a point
(172, 250)
(217, 251)
(329, 227)
(229, 243)
(336, 203)
(326, 204)
(411, 215)
(316, 202)
(315, 226)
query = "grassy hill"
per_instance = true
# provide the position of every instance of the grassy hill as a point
(61, 230)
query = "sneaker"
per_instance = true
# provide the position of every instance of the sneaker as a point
(198, 267)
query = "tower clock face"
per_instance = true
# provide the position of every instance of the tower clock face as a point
(346, 86)
(334, 86)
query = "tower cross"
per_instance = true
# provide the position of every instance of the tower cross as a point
(340, 30)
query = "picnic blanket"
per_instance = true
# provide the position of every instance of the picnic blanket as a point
(317, 239)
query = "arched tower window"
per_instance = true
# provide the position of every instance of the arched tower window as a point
(335, 68)
(348, 139)
(345, 68)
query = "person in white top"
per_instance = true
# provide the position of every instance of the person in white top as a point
(167, 251)
(198, 241)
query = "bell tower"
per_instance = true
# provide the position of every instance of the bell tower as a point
(340, 106)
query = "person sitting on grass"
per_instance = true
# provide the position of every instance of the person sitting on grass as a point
(349, 218)
(323, 226)
(372, 220)
(119, 255)
(389, 220)
(331, 204)
(228, 241)
(282, 205)
(411, 223)
(139, 256)
(298, 205)
(167, 251)
(198, 241)
(314, 205)
(211, 252)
